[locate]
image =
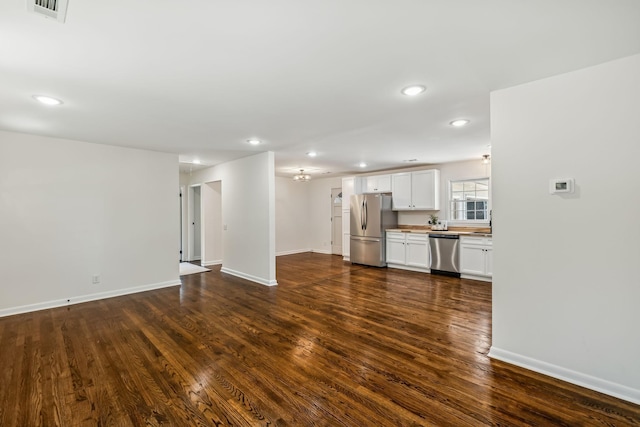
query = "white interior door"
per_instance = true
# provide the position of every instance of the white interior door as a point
(196, 226)
(181, 246)
(336, 221)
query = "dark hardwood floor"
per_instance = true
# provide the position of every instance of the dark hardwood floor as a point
(332, 345)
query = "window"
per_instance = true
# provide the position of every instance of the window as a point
(469, 200)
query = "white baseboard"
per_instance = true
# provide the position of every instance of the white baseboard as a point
(473, 277)
(84, 298)
(409, 268)
(593, 383)
(322, 251)
(208, 263)
(295, 251)
(248, 277)
(301, 251)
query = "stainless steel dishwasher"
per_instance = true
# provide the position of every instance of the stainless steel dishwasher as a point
(445, 258)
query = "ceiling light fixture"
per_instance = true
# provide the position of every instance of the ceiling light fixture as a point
(413, 90)
(302, 176)
(485, 159)
(459, 123)
(196, 161)
(47, 100)
(312, 154)
(254, 141)
(362, 165)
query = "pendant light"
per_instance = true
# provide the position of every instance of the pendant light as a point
(301, 176)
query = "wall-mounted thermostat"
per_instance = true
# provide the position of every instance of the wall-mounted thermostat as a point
(557, 186)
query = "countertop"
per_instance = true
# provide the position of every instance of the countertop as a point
(477, 233)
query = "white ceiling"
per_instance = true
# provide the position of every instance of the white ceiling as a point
(200, 77)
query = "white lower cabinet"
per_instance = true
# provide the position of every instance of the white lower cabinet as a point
(409, 251)
(476, 258)
(396, 248)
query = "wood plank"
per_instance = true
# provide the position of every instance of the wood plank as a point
(333, 344)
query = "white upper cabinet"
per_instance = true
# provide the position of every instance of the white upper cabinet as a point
(378, 184)
(401, 191)
(347, 190)
(418, 190)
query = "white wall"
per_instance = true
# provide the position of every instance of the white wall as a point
(211, 193)
(70, 210)
(248, 213)
(292, 216)
(565, 286)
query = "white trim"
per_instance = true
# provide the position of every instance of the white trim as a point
(406, 267)
(322, 251)
(208, 263)
(346, 258)
(466, 222)
(85, 298)
(473, 277)
(248, 277)
(584, 380)
(295, 251)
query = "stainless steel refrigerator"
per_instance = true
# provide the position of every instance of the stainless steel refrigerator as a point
(371, 215)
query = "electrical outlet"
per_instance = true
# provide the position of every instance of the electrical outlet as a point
(95, 279)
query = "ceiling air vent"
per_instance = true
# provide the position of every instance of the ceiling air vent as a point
(55, 9)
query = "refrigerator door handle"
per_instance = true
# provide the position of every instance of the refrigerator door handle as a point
(366, 213)
(362, 215)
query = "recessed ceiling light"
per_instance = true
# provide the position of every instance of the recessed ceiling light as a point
(47, 100)
(312, 154)
(196, 161)
(413, 90)
(460, 122)
(362, 165)
(410, 160)
(254, 141)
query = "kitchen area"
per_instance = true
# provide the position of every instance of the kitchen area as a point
(413, 220)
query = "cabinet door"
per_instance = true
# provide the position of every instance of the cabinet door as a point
(488, 261)
(417, 254)
(378, 184)
(395, 251)
(372, 184)
(401, 188)
(472, 260)
(384, 183)
(359, 185)
(425, 186)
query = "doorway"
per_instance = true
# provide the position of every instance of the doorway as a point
(336, 221)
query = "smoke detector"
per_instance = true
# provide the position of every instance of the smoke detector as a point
(54, 9)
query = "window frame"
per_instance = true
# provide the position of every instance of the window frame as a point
(450, 201)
